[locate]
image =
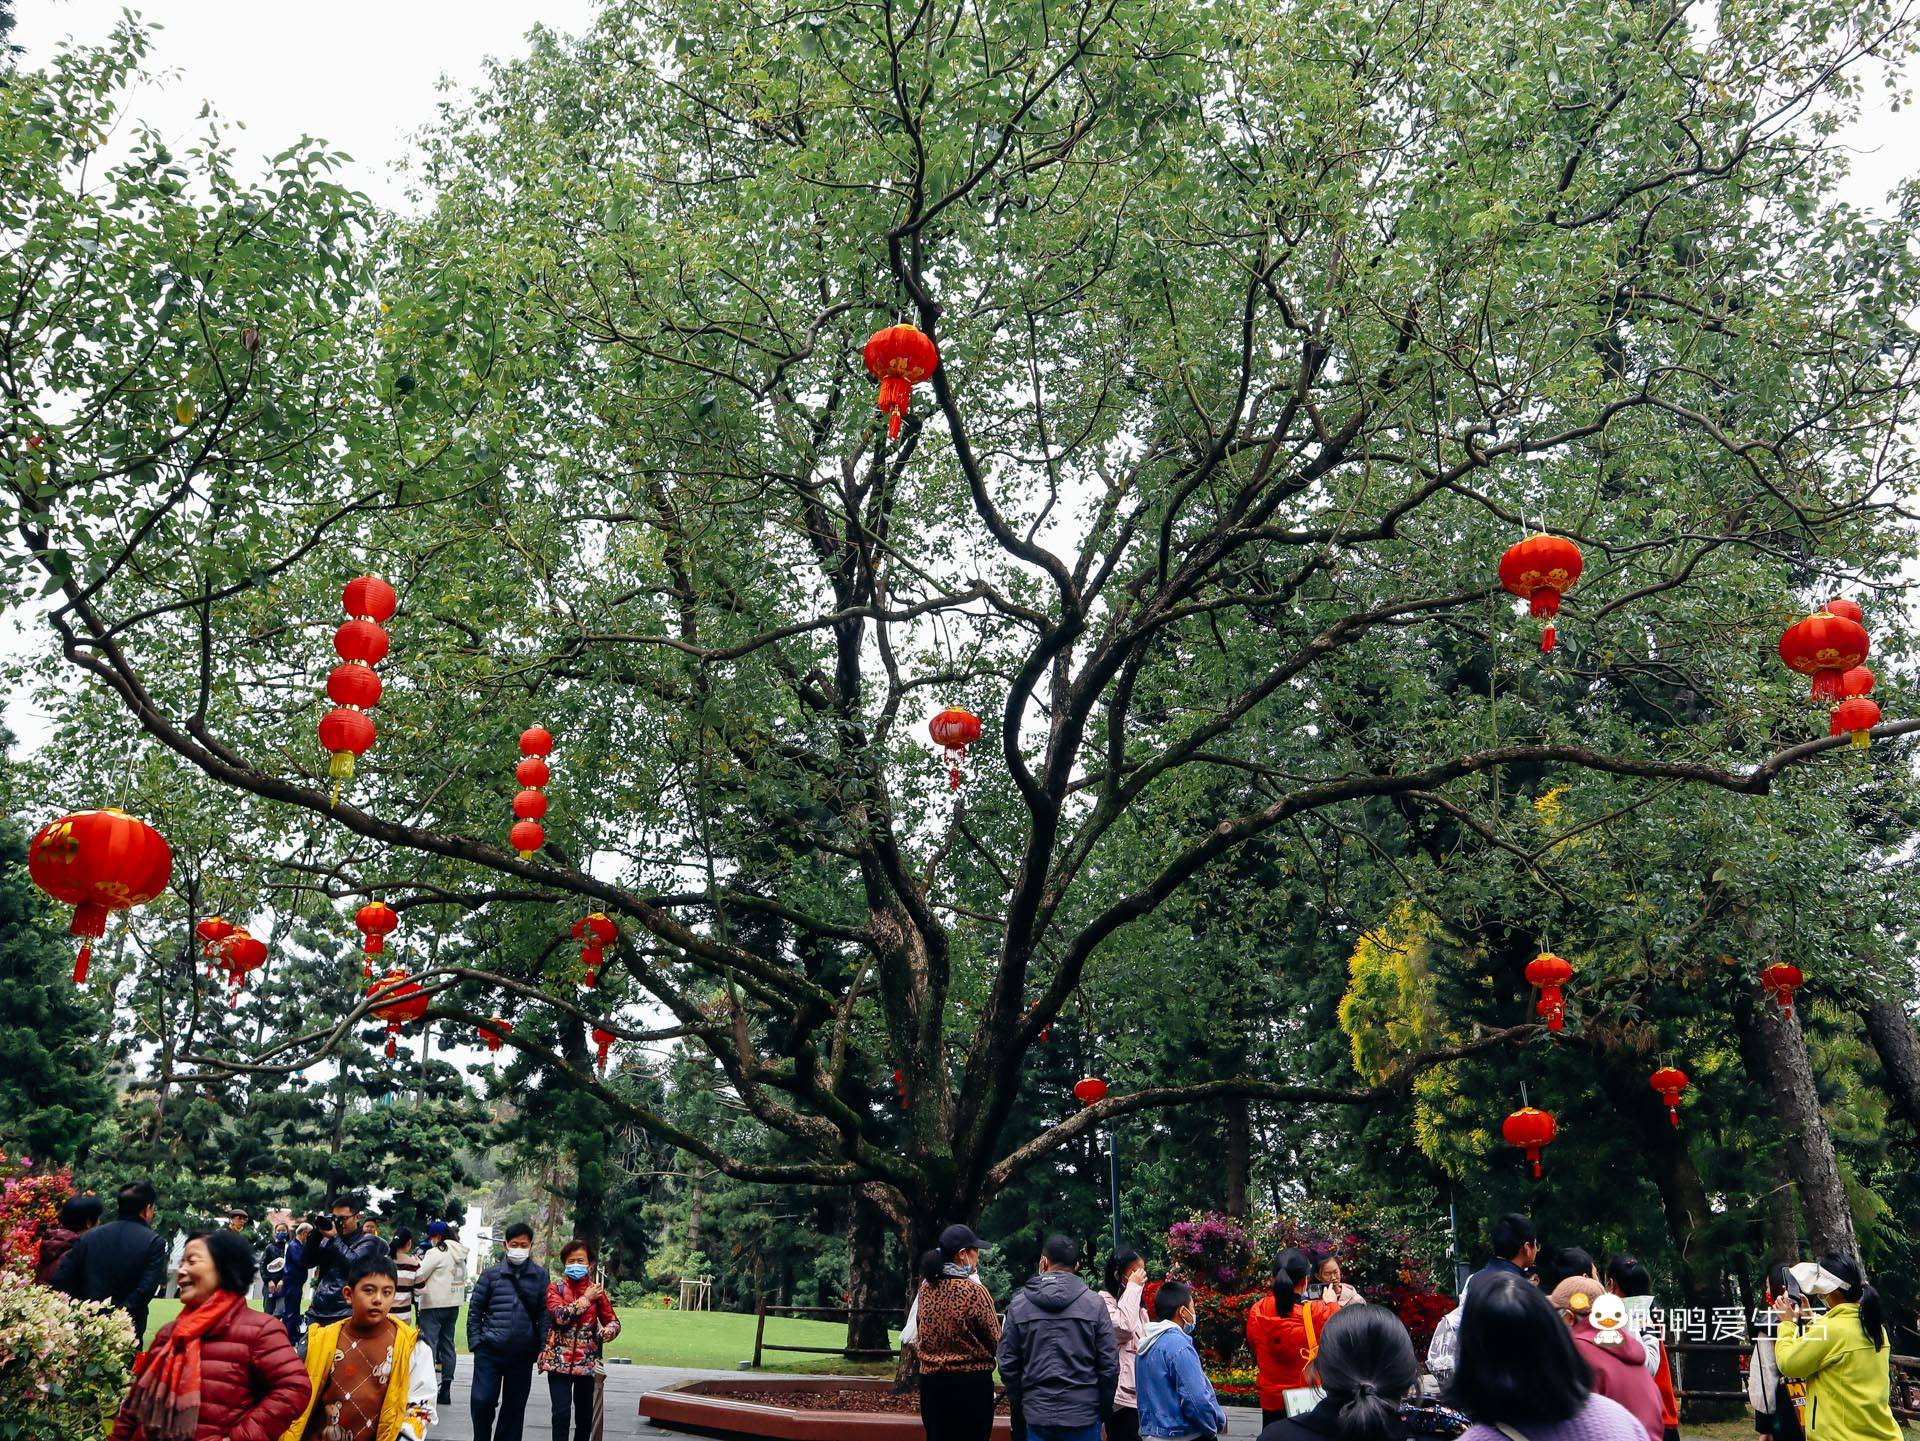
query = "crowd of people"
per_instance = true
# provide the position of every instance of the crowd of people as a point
(355, 1337)
(1538, 1349)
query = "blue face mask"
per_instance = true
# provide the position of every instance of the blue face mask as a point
(1187, 1326)
(576, 1272)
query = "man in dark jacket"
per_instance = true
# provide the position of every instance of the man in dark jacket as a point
(506, 1327)
(1057, 1356)
(123, 1261)
(333, 1246)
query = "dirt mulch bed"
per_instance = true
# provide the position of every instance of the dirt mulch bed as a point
(840, 1398)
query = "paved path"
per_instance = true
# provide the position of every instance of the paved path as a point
(626, 1385)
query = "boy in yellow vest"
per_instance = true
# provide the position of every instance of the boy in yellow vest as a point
(372, 1375)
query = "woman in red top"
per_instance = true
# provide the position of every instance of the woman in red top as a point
(1283, 1332)
(220, 1371)
(583, 1322)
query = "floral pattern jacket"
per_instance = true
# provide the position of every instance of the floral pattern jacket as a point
(580, 1329)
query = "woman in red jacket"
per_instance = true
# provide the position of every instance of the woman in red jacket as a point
(1283, 1332)
(583, 1322)
(220, 1371)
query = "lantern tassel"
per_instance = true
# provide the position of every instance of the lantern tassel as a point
(1547, 640)
(390, 1046)
(1673, 1115)
(80, 963)
(895, 393)
(953, 778)
(1862, 739)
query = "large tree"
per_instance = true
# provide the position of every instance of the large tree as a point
(1262, 335)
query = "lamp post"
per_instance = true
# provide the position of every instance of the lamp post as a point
(1088, 1090)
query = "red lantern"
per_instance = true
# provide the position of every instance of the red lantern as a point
(1846, 610)
(212, 931)
(97, 862)
(1670, 1081)
(594, 932)
(1824, 646)
(353, 684)
(1855, 716)
(1547, 973)
(527, 837)
(376, 921)
(369, 597)
(240, 953)
(1780, 981)
(530, 804)
(899, 357)
(1529, 1129)
(602, 1043)
(1541, 568)
(1858, 681)
(399, 1000)
(493, 1032)
(346, 735)
(953, 730)
(361, 641)
(532, 772)
(1089, 1089)
(536, 741)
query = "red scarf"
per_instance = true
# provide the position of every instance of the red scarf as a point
(165, 1399)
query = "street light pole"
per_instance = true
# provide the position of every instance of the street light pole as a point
(1113, 1180)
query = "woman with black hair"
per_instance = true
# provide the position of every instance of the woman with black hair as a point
(1366, 1368)
(957, 1334)
(1283, 1332)
(220, 1371)
(1519, 1378)
(1841, 1354)
(1125, 1283)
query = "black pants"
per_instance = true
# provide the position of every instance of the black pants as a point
(956, 1405)
(499, 1386)
(575, 1394)
(1124, 1425)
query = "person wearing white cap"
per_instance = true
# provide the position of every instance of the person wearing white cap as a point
(1841, 1353)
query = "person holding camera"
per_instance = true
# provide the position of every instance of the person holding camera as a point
(335, 1245)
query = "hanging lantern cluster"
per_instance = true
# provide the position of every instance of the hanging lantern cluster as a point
(528, 835)
(1670, 1081)
(376, 920)
(899, 357)
(493, 1032)
(347, 732)
(595, 933)
(1825, 646)
(1780, 981)
(603, 1040)
(398, 999)
(240, 952)
(1530, 1130)
(953, 730)
(98, 862)
(212, 931)
(1548, 973)
(1541, 569)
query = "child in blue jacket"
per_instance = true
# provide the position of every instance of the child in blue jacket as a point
(1176, 1398)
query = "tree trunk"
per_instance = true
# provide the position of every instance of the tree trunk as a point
(694, 1209)
(1772, 1040)
(1891, 1032)
(1239, 1155)
(867, 1276)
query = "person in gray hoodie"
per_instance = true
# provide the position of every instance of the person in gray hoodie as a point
(1057, 1355)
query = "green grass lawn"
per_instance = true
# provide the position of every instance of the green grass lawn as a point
(709, 1340)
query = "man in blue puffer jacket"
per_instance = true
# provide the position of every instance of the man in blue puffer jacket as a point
(506, 1329)
(1176, 1398)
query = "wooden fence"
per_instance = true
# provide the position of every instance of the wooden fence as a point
(1906, 1375)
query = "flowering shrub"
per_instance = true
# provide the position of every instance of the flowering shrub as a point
(63, 1365)
(1220, 1324)
(1213, 1249)
(29, 1205)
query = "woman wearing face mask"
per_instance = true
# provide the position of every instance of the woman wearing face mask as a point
(958, 1336)
(583, 1322)
(1841, 1353)
(220, 1369)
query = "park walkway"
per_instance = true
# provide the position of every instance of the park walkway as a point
(626, 1385)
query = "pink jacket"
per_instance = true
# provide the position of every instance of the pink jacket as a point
(1620, 1374)
(1129, 1321)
